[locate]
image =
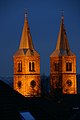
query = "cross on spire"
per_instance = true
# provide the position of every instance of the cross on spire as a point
(26, 13)
(62, 14)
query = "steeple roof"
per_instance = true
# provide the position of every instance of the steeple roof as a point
(62, 46)
(26, 40)
(26, 45)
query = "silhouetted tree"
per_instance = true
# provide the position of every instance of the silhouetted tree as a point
(45, 84)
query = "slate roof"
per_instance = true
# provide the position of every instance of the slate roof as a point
(26, 46)
(10, 102)
(62, 46)
(64, 107)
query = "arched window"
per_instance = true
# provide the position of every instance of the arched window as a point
(31, 66)
(68, 66)
(56, 66)
(20, 66)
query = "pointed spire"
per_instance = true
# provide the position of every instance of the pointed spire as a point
(62, 46)
(26, 40)
(26, 14)
(62, 42)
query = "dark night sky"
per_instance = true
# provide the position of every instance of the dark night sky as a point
(44, 22)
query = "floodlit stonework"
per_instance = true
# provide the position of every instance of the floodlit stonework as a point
(63, 66)
(27, 65)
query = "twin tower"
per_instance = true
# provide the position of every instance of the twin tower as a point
(27, 66)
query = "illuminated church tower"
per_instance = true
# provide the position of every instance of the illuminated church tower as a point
(63, 66)
(27, 65)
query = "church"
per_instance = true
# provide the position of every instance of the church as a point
(27, 65)
(63, 65)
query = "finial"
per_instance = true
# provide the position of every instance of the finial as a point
(62, 14)
(26, 13)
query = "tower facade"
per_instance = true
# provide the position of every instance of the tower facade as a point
(63, 66)
(27, 65)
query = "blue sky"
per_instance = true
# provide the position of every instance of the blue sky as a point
(44, 18)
